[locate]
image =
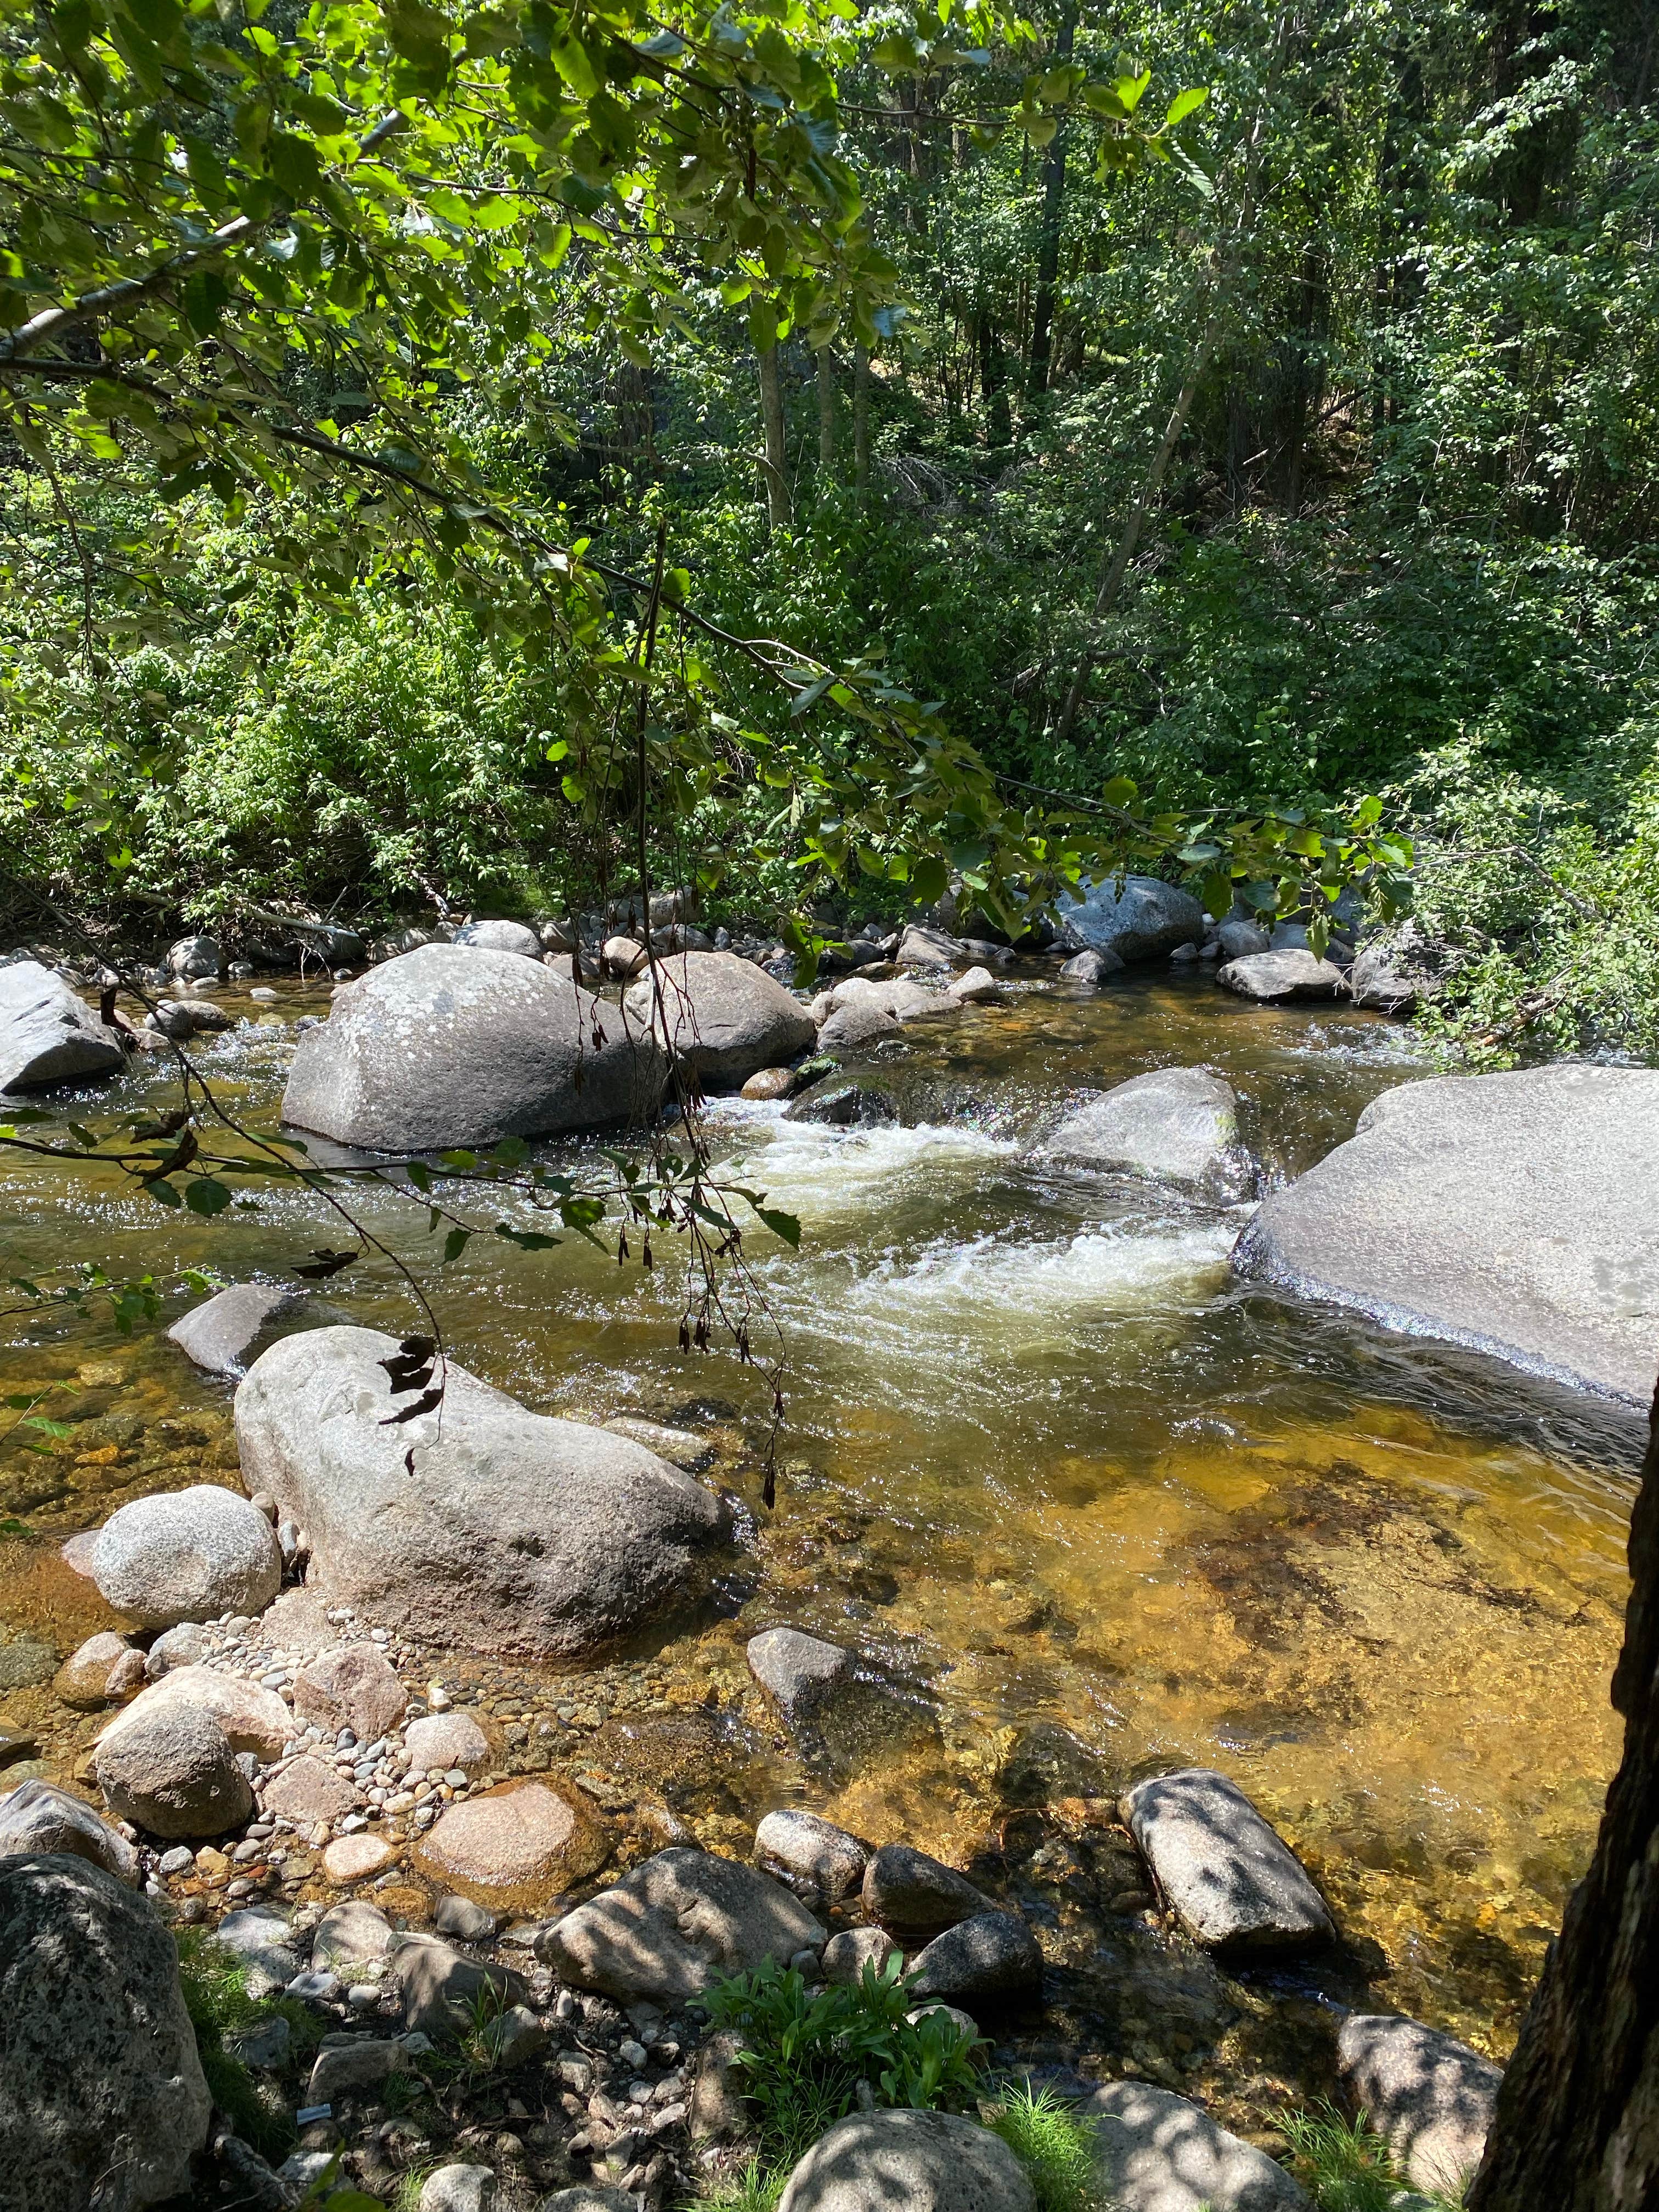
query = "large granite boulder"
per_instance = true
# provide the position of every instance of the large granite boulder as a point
(49, 1035)
(1516, 1213)
(458, 1045)
(1431, 2098)
(1235, 1884)
(187, 1555)
(908, 2161)
(252, 1717)
(1293, 972)
(1177, 1124)
(175, 1774)
(102, 2099)
(1157, 2152)
(481, 1525)
(219, 1334)
(722, 1017)
(1144, 918)
(670, 1927)
(39, 1819)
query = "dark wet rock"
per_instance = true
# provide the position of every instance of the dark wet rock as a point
(912, 1894)
(520, 1845)
(499, 936)
(843, 1106)
(441, 1986)
(1046, 1762)
(847, 1955)
(48, 1034)
(922, 2161)
(38, 1818)
(1092, 967)
(350, 1686)
(1232, 1881)
(721, 1017)
(668, 1929)
(1157, 2152)
(102, 2099)
(989, 1956)
(15, 1746)
(181, 1019)
(812, 1855)
(1432, 2098)
(798, 1672)
(1291, 974)
(103, 1668)
(219, 1334)
(175, 1775)
(1179, 1124)
(1513, 1213)
(254, 1718)
(514, 1531)
(187, 1555)
(450, 1046)
(1145, 920)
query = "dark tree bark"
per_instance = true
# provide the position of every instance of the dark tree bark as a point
(1054, 193)
(862, 422)
(1578, 2121)
(774, 461)
(824, 363)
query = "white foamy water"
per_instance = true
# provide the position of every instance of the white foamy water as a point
(826, 1174)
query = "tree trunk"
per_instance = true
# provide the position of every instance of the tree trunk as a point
(780, 511)
(862, 422)
(1054, 194)
(825, 379)
(1577, 2122)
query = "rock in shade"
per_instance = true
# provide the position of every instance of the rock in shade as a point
(307, 1791)
(991, 1956)
(1517, 1215)
(341, 2069)
(460, 2189)
(441, 1741)
(264, 2047)
(922, 947)
(589, 2196)
(187, 1555)
(439, 1986)
(513, 1532)
(722, 1017)
(499, 936)
(847, 1955)
(102, 2099)
(1293, 974)
(906, 1891)
(254, 1718)
(810, 1854)
(48, 1034)
(218, 1334)
(919, 2162)
(100, 1670)
(1156, 2152)
(262, 1940)
(461, 1918)
(1178, 1124)
(350, 1935)
(1145, 920)
(175, 1774)
(194, 957)
(452, 1046)
(357, 1859)
(1432, 2098)
(1240, 939)
(350, 1686)
(675, 1924)
(798, 1672)
(1391, 972)
(514, 1848)
(1233, 1882)
(38, 1819)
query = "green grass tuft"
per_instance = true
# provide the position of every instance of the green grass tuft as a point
(214, 1986)
(1345, 2166)
(1054, 2145)
(755, 2187)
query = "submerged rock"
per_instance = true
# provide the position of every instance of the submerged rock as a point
(451, 1046)
(489, 1528)
(1432, 2098)
(1146, 919)
(515, 1847)
(48, 1034)
(187, 1555)
(1234, 1883)
(1177, 1123)
(1290, 974)
(1157, 2152)
(721, 1017)
(922, 2161)
(218, 1334)
(798, 1672)
(1517, 1215)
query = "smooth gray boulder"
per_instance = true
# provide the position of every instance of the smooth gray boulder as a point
(1157, 2152)
(673, 1924)
(1431, 2097)
(1518, 1214)
(1232, 1881)
(1179, 1124)
(1144, 920)
(918, 946)
(193, 956)
(1239, 939)
(102, 2099)
(861, 1010)
(499, 936)
(908, 2161)
(218, 1334)
(350, 1935)
(721, 1017)
(187, 1555)
(798, 1672)
(989, 1956)
(456, 1045)
(847, 1955)
(175, 1774)
(1092, 967)
(811, 1853)
(48, 1033)
(39, 1819)
(906, 1891)
(514, 1531)
(1293, 974)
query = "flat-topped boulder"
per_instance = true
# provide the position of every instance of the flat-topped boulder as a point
(481, 1525)
(456, 1045)
(1157, 2152)
(721, 1017)
(48, 1034)
(1177, 1124)
(1236, 1885)
(673, 1925)
(252, 1717)
(1146, 918)
(1294, 972)
(1431, 2097)
(864, 1009)
(516, 1848)
(1518, 1214)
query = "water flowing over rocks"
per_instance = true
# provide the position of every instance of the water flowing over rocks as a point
(514, 1531)
(1514, 1213)
(48, 1034)
(175, 1773)
(218, 1334)
(1157, 2152)
(922, 2161)
(187, 1555)
(451, 1046)
(1291, 973)
(1234, 1883)
(1181, 1123)
(1431, 2098)
(721, 1017)
(102, 2098)
(1144, 920)
(667, 1930)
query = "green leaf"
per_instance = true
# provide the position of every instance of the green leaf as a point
(1183, 104)
(782, 1225)
(163, 1194)
(929, 877)
(206, 1195)
(455, 1244)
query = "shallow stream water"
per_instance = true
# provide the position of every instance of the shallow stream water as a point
(1087, 1506)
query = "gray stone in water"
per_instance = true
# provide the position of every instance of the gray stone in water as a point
(721, 1017)
(1432, 2098)
(681, 1448)
(1234, 1883)
(513, 1532)
(908, 2161)
(460, 2189)
(102, 2099)
(862, 1010)
(218, 1334)
(500, 937)
(194, 956)
(675, 1924)
(847, 1955)
(922, 947)
(906, 1890)
(48, 1034)
(1145, 921)
(173, 1773)
(798, 1672)
(25, 1661)
(804, 1850)
(1240, 939)
(843, 1106)
(1092, 967)
(187, 1555)
(1518, 1214)
(1177, 1123)
(36, 1818)
(1156, 2152)
(450, 1046)
(989, 1956)
(1287, 975)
